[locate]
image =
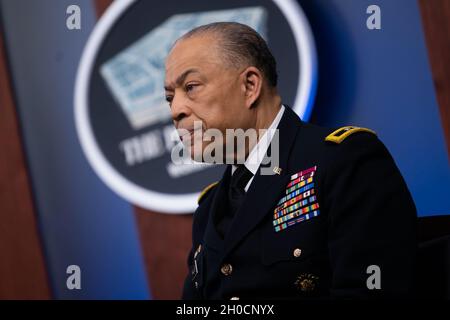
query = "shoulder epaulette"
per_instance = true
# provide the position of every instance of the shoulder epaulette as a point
(206, 190)
(340, 134)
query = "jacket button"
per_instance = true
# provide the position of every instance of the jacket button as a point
(297, 252)
(226, 269)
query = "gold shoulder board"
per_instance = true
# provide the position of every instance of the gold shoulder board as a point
(340, 134)
(206, 190)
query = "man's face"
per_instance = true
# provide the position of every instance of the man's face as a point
(200, 87)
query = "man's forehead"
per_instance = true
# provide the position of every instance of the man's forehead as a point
(179, 67)
(189, 56)
(189, 50)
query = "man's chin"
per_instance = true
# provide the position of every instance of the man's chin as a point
(198, 153)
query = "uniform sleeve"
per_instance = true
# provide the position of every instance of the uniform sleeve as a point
(199, 222)
(189, 292)
(371, 221)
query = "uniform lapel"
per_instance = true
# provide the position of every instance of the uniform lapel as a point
(212, 237)
(265, 190)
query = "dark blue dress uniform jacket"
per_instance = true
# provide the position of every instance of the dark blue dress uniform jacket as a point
(367, 217)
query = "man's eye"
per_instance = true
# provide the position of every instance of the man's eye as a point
(190, 87)
(169, 100)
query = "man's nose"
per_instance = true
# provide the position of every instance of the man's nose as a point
(179, 109)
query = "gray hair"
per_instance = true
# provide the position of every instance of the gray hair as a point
(239, 45)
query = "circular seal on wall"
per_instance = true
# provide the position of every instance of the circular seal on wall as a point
(122, 119)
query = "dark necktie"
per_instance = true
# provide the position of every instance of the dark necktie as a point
(236, 195)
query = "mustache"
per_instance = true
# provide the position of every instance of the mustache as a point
(186, 131)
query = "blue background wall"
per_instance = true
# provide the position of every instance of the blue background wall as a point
(379, 79)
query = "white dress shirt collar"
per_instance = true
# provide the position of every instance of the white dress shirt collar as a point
(258, 152)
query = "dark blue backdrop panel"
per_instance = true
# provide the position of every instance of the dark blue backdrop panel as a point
(82, 222)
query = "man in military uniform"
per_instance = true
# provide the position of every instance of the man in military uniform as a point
(334, 219)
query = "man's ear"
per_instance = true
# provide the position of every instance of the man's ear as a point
(252, 85)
